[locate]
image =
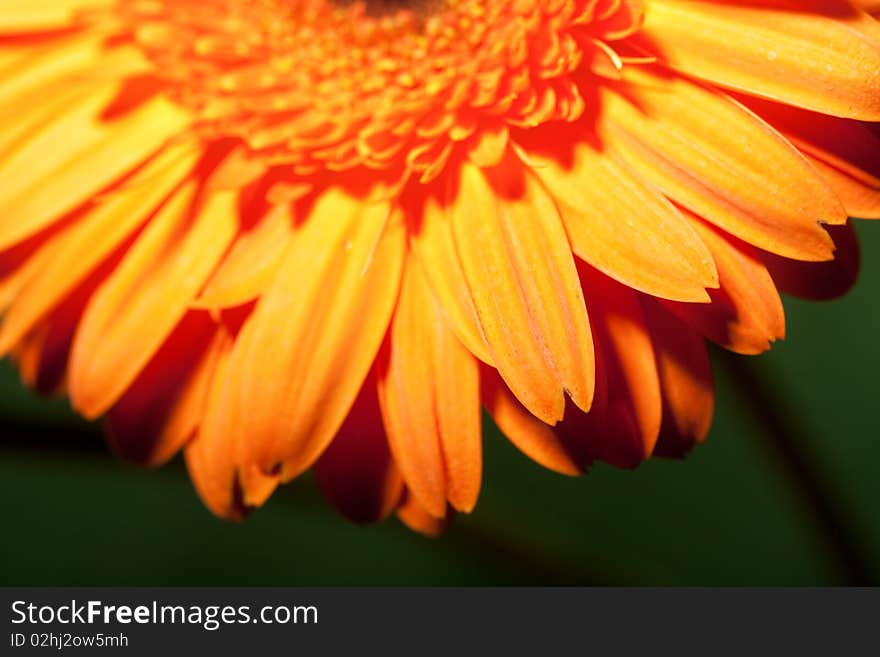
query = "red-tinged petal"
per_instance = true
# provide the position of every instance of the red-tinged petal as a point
(622, 429)
(844, 152)
(163, 407)
(139, 305)
(723, 163)
(43, 353)
(304, 353)
(745, 314)
(621, 226)
(532, 437)
(850, 146)
(822, 55)
(685, 379)
(429, 393)
(819, 281)
(356, 472)
(524, 286)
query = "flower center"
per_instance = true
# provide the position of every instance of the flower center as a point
(389, 7)
(332, 85)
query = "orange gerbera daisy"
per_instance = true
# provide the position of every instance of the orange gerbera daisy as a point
(293, 234)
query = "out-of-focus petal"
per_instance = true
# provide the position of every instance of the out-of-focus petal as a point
(357, 472)
(824, 280)
(685, 380)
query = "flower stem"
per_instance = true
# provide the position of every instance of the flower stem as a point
(788, 446)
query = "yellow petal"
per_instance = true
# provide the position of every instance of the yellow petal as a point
(69, 159)
(62, 62)
(74, 252)
(38, 15)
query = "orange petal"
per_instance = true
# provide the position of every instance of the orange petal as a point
(249, 267)
(356, 472)
(143, 300)
(746, 313)
(429, 393)
(433, 245)
(524, 286)
(304, 353)
(819, 54)
(711, 156)
(622, 227)
(414, 516)
(685, 379)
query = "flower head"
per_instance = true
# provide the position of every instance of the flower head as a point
(293, 234)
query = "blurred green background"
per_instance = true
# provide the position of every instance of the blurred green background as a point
(785, 491)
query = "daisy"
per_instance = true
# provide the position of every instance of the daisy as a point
(283, 235)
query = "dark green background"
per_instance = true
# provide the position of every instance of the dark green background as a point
(784, 492)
